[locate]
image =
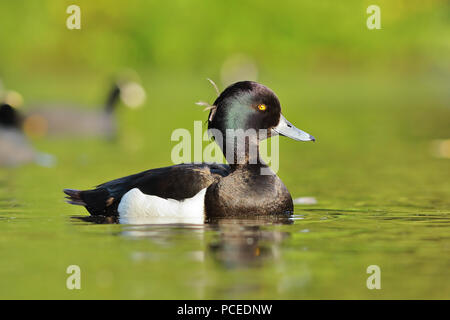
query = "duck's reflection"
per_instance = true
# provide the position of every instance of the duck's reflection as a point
(233, 243)
(247, 242)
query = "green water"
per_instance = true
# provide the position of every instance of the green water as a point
(383, 199)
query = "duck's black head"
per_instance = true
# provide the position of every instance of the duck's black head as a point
(9, 117)
(250, 105)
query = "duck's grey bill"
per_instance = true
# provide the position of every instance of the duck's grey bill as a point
(287, 129)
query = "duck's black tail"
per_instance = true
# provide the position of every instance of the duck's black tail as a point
(97, 201)
(74, 197)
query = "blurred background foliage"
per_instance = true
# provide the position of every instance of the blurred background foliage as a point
(197, 36)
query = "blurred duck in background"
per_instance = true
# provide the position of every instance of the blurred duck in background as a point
(15, 149)
(69, 120)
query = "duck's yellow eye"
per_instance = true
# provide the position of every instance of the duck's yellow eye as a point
(262, 107)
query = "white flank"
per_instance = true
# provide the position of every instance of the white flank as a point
(137, 208)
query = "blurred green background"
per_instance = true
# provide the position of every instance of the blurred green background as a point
(197, 36)
(376, 100)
